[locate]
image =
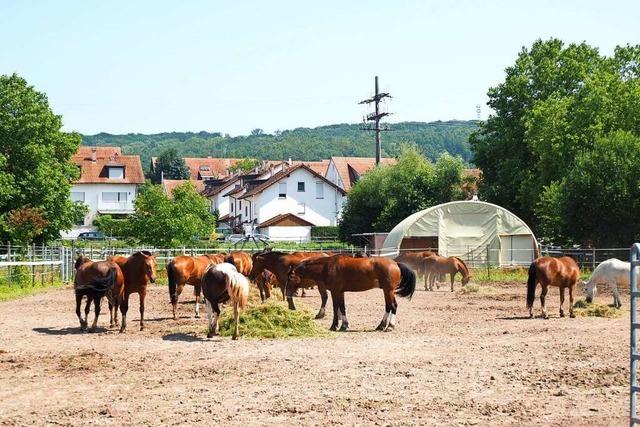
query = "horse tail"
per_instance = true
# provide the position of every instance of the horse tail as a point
(531, 285)
(238, 288)
(172, 275)
(407, 285)
(99, 286)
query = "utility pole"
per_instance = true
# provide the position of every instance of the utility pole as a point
(375, 118)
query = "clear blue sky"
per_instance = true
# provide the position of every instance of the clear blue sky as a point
(231, 66)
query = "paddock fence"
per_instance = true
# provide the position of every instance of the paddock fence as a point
(40, 264)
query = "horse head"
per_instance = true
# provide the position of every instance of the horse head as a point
(149, 262)
(81, 260)
(590, 289)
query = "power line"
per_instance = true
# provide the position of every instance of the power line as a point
(375, 118)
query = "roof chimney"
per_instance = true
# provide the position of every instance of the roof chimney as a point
(94, 154)
(290, 161)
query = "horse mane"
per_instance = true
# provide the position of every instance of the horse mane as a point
(144, 252)
(463, 263)
(237, 284)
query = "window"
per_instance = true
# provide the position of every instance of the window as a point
(116, 172)
(204, 168)
(282, 190)
(232, 206)
(301, 187)
(114, 197)
(240, 205)
(301, 208)
(77, 196)
(246, 210)
(319, 190)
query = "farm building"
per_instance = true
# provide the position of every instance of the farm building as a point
(473, 230)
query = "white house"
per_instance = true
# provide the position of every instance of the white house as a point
(346, 171)
(286, 205)
(108, 184)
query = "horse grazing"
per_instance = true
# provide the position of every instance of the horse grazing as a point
(280, 263)
(415, 260)
(436, 265)
(343, 273)
(265, 282)
(221, 283)
(611, 272)
(241, 261)
(138, 269)
(188, 270)
(93, 280)
(562, 272)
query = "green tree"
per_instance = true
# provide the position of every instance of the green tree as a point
(555, 102)
(599, 198)
(170, 166)
(244, 165)
(388, 194)
(35, 167)
(180, 219)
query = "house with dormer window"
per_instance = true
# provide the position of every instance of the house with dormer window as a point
(108, 184)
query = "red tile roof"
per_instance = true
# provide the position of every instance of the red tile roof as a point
(208, 167)
(359, 165)
(169, 185)
(277, 177)
(94, 172)
(288, 219)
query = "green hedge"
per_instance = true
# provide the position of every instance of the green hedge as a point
(326, 231)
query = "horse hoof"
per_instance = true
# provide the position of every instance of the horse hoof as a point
(389, 328)
(235, 337)
(333, 328)
(561, 314)
(197, 316)
(344, 328)
(380, 327)
(572, 315)
(545, 316)
(210, 335)
(319, 316)
(142, 328)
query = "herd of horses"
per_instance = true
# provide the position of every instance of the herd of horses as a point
(226, 278)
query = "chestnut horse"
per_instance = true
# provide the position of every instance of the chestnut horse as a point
(280, 263)
(188, 270)
(265, 282)
(241, 260)
(436, 265)
(93, 280)
(138, 269)
(221, 283)
(415, 260)
(344, 273)
(562, 272)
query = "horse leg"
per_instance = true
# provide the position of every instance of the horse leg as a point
(561, 301)
(87, 309)
(571, 313)
(174, 303)
(143, 294)
(543, 294)
(96, 304)
(335, 302)
(453, 278)
(392, 315)
(236, 315)
(324, 297)
(196, 291)
(124, 307)
(388, 301)
(216, 317)
(110, 313)
(83, 323)
(209, 317)
(616, 295)
(343, 311)
(261, 288)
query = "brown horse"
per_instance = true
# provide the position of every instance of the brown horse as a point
(93, 280)
(221, 283)
(265, 282)
(138, 269)
(415, 260)
(188, 270)
(436, 265)
(562, 272)
(280, 263)
(343, 273)
(241, 260)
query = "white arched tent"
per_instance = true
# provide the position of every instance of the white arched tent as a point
(473, 230)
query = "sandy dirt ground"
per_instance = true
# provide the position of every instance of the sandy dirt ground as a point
(453, 359)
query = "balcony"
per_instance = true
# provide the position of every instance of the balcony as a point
(121, 207)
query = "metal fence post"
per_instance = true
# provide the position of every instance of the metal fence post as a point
(633, 353)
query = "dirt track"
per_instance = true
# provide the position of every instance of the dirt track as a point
(453, 359)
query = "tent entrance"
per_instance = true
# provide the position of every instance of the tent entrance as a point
(515, 249)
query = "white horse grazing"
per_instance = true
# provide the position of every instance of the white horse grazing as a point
(612, 272)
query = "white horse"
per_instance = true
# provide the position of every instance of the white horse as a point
(612, 272)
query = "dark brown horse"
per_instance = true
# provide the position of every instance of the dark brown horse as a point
(138, 270)
(343, 273)
(241, 260)
(562, 272)
(188, 270)
(280, 263)
(93, 280)
(438, 265)
(415, 260)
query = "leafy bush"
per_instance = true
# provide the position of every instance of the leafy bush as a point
(324, 231)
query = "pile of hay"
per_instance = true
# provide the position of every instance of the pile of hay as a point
(472, 288)
(584, 309)
(272, 320)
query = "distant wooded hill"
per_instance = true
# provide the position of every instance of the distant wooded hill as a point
(318, 143)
